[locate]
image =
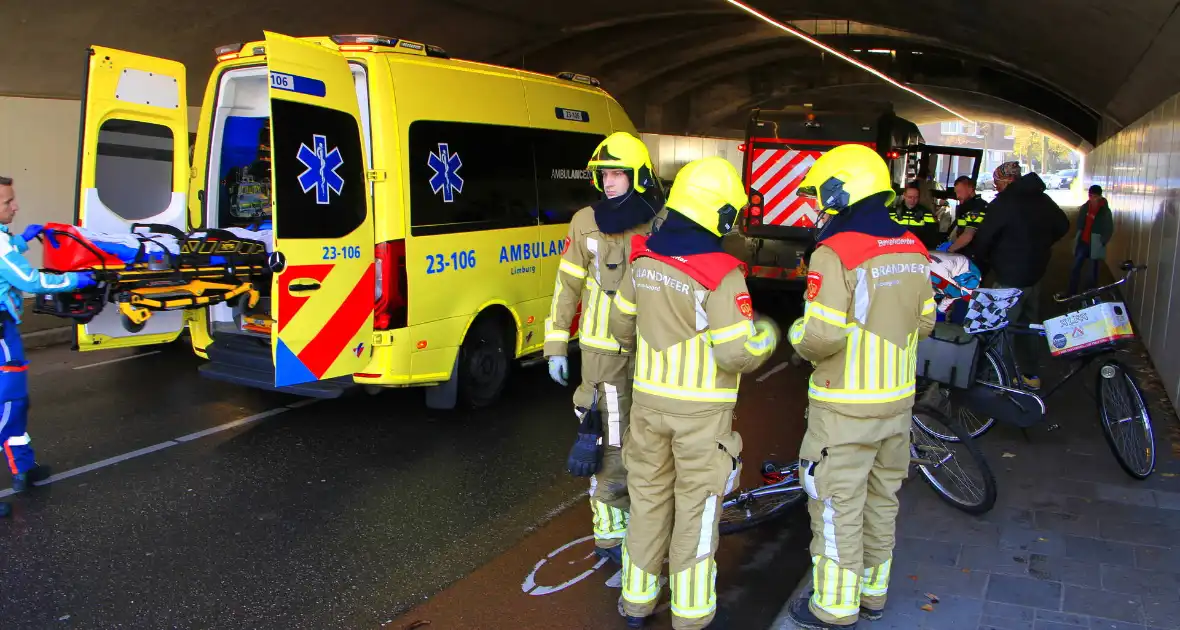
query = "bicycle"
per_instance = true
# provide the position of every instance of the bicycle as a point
(744, 509)
(1087, 334)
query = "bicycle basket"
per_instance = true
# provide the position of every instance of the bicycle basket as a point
(948, 361)
(988, 309)
(1096, 328)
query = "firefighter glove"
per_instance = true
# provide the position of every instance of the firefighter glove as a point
(559, 369)
(585, 456)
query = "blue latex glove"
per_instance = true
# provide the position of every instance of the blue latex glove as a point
(31, 232)
(86, 279)
(559, 369)
(945, 246)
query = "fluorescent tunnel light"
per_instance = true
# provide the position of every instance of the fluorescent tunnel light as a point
(863, 66)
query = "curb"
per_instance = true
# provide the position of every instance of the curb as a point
(50, 337)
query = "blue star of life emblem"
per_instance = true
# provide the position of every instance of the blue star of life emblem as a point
(446, 177)
(321, 169)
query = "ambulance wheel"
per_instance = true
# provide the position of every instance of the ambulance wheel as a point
(131, 326)
(484, 364)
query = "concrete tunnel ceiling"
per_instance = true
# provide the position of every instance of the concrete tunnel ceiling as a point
(1081, 69)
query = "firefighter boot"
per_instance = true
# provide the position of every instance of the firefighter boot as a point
(801, 615)
(20, 482)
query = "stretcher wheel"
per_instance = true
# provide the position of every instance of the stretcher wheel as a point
(131, 326)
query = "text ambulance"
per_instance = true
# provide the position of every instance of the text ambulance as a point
(417, 205)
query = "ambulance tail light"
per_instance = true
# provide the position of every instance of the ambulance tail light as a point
(390, 309)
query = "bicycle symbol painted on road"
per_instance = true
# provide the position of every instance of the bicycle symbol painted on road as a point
(531, 586)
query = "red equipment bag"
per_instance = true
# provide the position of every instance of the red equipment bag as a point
(73, 252)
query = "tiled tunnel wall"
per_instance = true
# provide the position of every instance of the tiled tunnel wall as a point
(1139, 171)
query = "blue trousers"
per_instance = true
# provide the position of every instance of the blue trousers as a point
(14, 399)
(1081, 254)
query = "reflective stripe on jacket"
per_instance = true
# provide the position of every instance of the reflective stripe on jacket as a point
(861, 325)
(692, 342)
(591, 268)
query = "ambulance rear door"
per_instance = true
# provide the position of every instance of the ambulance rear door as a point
(323, 286)
(133, 167)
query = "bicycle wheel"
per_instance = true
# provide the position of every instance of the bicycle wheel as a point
(957, 471)
(990, 371)
(1126, 424)
(745, 509)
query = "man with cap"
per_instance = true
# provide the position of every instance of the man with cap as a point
(1016, 239)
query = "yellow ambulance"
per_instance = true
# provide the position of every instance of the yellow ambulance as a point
(415, 206)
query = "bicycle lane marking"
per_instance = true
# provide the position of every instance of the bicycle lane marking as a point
(530, 585)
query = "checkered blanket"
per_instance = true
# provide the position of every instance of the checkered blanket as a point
(988, 309)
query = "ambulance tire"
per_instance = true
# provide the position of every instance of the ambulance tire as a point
(485, 363)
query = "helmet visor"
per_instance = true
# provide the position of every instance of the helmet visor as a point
(807, 192)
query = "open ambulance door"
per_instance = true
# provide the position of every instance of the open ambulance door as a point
(133, 167)
(322, 294)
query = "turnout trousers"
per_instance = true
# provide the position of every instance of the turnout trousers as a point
(608, 376)
(679, 469)
(14, 399)
(852, 469)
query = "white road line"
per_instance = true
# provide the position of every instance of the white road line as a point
(163, 445)
(109, 361)
(772, 371)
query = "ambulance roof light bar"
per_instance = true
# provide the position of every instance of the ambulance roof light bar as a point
(579, 78)
(863, 66)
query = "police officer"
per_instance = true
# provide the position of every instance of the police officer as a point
(868, 303)
(594, 262)
(916, 217)
(16, 276)
(971, 211)
(685, 310)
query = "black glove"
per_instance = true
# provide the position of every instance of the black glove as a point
(586, 455)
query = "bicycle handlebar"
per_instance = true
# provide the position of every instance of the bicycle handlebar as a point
(1128, 266)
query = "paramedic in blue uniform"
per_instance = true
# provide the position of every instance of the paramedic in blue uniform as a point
(17, 276)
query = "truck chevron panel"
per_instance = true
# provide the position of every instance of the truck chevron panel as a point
(776, 173)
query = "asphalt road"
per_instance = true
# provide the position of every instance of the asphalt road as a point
(186, 503)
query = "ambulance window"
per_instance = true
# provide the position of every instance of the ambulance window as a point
(133, 168)
(563, 183)
(319, 171)
(466, 177)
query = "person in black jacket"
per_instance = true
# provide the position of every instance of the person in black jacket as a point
(1016, 239)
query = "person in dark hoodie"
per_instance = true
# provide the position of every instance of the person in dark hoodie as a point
(595, 261)
(1016, 239)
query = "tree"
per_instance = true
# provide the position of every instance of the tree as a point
(1040, 152)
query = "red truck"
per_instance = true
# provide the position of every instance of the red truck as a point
(774, 237)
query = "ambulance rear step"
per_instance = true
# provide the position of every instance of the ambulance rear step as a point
(244, 361)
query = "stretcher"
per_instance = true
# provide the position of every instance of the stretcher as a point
(154, 268)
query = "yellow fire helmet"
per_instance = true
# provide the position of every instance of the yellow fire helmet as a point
(845, 175)
(624, 151)
(709, 192)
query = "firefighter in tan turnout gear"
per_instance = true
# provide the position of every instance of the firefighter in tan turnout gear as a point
(594, 262)
(685, 310)
(868, 302)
